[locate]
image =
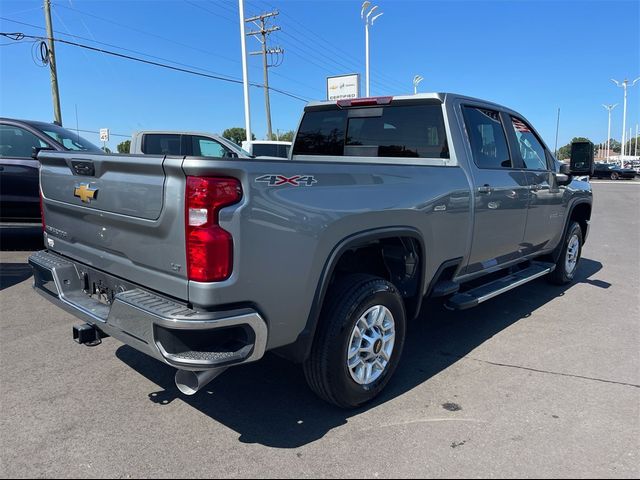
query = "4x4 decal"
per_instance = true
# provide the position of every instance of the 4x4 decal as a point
(280, 180)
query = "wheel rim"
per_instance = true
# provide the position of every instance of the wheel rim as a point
(573, 250)
(371, 345)
(614, 176)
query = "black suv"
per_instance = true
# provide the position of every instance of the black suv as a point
(19, 193)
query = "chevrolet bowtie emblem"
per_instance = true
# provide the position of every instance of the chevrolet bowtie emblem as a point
(85, 193)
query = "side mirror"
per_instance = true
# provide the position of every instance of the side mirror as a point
(582, 158)
(563, 177)
(36, 150)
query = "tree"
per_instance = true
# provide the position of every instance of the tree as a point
(283, 137)
(124, 147)
(564, 153)
(106, 149)
(236, 135)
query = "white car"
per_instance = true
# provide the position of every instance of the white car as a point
(267, 148)
(199, 144)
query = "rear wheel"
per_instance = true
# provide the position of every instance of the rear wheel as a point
(567, 264)
(614, 176)
(359, 341)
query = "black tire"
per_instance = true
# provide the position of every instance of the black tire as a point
(614, 176)
(326, 368)
(561, 276)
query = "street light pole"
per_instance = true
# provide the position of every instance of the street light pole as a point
(368, 21)
(245, 74)
(416, 80)
(609, 108)
(624, 84)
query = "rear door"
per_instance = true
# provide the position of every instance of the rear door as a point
(122, 214)
(501, 191)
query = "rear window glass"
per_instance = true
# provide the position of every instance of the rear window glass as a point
(415, 131)
(161, 144)
(321, 133)
(270, 150)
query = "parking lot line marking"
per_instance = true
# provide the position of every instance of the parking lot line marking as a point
(616, 182)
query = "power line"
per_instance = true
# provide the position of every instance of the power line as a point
(157, 64)
(98, 133)
(314, 89)
(117, 46)
(169, 40)
(144, 32)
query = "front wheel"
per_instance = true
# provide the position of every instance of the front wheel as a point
(614, 176)
(567, 264)
(359, 341)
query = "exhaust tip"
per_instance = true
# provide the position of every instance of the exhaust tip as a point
(190, 383)
(187, 382)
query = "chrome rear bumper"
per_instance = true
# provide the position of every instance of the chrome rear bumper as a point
(162, 328)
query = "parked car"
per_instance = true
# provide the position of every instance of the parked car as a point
(612, 171)
(198, 144)
(206, 263)
(267, 148)
(19, 193)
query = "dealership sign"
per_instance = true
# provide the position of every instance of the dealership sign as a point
(343, 87)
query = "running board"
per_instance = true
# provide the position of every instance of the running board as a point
(474, 297)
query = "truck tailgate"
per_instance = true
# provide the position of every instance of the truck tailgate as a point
(122, 214)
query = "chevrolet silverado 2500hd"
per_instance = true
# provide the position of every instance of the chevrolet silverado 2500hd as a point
(323, 258)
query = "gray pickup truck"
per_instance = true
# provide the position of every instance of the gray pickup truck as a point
(321, 258)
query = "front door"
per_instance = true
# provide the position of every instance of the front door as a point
(545, 216)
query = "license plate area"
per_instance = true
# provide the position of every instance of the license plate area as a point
(102, 287)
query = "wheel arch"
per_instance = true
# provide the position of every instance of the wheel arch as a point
(580, 211)
(299, 350)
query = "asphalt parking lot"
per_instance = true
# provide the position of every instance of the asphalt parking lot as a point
(543, 381)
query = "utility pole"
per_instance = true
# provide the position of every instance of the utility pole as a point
(245, 74)
(635, 153)
(55, 95)
(624, 84)
(609, 108)
(261, 36)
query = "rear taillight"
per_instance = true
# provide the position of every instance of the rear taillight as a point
(209, 246)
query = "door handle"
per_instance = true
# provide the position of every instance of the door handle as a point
(485, 189)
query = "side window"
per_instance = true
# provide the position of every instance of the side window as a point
(161, 144)
(531, 149)
(16, 142)
(487, 138)
(208, 147)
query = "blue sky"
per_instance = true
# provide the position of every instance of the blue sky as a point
(533, 56)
